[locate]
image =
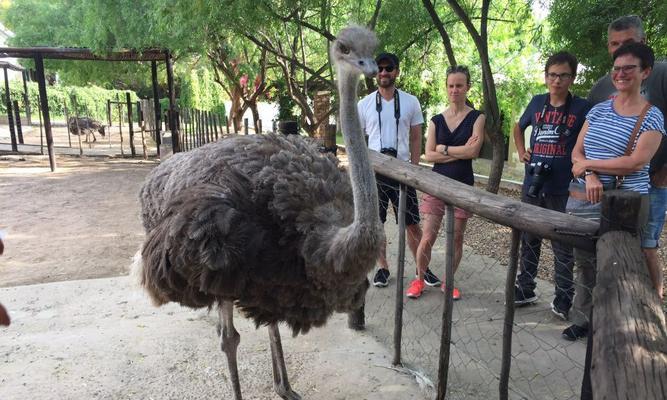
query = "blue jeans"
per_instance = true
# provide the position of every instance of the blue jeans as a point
(656, 217)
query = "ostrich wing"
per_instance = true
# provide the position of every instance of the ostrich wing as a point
(197, 251)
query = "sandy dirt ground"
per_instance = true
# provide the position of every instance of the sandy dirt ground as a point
(79, 222)
(75, 337)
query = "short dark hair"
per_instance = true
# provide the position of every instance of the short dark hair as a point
(391, 57)
(639, 50)
(562, 57)
(459, 69)
(628, 22)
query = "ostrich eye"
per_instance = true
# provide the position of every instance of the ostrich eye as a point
(344, 49)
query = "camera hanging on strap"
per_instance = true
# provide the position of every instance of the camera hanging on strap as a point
(390, 151)
(540, 170)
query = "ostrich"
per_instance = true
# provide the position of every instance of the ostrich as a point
(267, 223)
(88, 126)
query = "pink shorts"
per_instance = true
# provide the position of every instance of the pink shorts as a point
(434, 206)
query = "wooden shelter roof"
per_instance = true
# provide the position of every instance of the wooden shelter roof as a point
(8, 65)
(79, 53)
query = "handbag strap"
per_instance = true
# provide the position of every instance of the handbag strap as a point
(633, 137)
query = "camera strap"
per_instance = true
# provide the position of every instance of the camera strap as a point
(562, 123)
(563, 119)
(397, 113)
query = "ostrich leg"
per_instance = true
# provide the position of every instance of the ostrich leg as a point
(229, 341)
(280, 382)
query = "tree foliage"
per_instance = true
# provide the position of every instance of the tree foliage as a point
(580, 26)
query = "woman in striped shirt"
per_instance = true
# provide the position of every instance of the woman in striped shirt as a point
(599, 156)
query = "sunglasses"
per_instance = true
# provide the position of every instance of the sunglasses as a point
(388, 68)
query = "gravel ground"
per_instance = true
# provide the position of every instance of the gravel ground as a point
(480, 232)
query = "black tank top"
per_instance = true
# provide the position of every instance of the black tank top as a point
(460, 170)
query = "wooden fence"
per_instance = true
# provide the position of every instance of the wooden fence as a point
(627, 348)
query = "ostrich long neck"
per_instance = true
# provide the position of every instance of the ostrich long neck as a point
(364, 188)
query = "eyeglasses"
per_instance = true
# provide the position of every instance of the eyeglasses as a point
(624, 68)
(565, 76)
(388, 68)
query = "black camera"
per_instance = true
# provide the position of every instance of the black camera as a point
(390, 151)
(539, 171)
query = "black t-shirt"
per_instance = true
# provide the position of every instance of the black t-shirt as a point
(461, 170)
(548, 145)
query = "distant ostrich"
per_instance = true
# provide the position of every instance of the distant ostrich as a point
(88, 126)
(267, 223)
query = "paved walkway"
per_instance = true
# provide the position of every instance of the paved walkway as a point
(544, 366)
(101, 339)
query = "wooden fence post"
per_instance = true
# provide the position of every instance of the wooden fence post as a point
(629, 346)
(76, 121)
(69, 134)
(10, 119)
(17, 114)
(398, 314)
(129, 121)
(510, 281)
(245, 126)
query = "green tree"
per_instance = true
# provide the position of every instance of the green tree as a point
(580, 26)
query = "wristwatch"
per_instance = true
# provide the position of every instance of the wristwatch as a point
(444, 152)
(589, 172)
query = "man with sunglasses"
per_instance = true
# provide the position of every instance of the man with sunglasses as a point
(392, 120)
(556, 118)
(623, 30)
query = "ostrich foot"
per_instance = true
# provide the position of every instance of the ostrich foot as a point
(280, 382)
(229, 342)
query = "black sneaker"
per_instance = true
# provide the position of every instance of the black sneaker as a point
(574, 332)
(561, 308)
(381, 278)
(524, 296)
(431, 279)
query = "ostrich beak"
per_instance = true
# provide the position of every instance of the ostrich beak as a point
(368, 67)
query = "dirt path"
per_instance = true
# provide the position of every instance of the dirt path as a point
(80, 222)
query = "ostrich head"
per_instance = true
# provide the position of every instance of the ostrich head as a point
(353, 51)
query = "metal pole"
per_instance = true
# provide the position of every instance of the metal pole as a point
(156, 105)
(510, 281)
(10, 118)
(41, 81)
(446, 332)
(398, 315)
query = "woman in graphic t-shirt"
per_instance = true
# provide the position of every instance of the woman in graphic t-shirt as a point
(599, 156)
(455, 137)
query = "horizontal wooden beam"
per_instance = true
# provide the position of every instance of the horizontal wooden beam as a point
(578, 232)
(74, 53)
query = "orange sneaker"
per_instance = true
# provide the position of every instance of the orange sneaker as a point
(415, 289)
(456, 294)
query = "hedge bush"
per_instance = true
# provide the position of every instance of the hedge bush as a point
(91, 101)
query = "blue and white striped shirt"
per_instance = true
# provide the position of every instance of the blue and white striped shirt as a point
(608, 135)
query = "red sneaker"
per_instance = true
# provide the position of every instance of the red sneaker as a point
(415, 289)
(456, 294)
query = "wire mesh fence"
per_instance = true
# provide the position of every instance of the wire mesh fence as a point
(543, 364)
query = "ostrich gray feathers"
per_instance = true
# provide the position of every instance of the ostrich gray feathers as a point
(261, 220)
